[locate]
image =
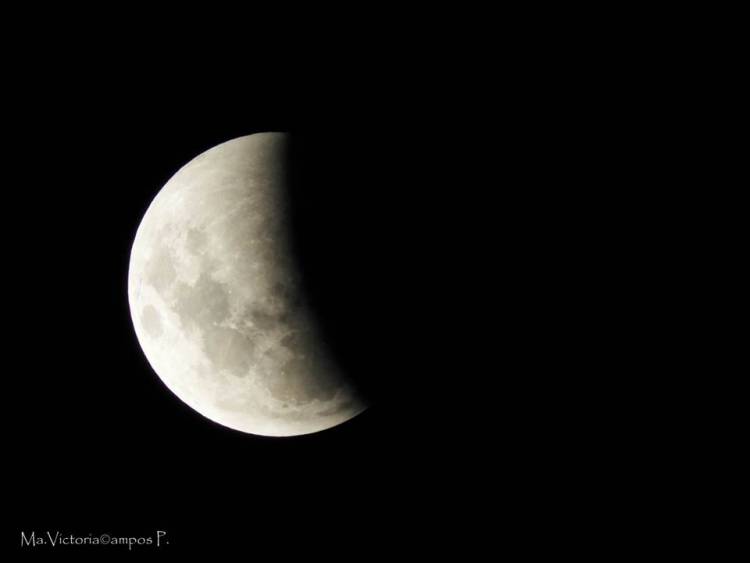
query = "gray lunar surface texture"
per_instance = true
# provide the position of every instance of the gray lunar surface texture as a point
(217, 302)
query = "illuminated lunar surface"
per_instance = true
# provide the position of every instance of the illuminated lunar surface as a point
(217, 302)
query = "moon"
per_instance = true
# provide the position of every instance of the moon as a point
(217, 300)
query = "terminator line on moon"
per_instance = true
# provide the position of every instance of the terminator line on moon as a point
(217, 302)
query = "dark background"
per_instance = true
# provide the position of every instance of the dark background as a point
(98, 444)
(461, 208)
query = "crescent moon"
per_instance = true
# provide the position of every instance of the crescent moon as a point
(217, 301)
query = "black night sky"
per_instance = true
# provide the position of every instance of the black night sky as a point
(482, 207)
(449, 213)
(98, 444)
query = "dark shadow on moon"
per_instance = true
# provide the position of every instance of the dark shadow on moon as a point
(345, 276)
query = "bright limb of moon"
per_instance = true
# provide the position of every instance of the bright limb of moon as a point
(217, 301)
